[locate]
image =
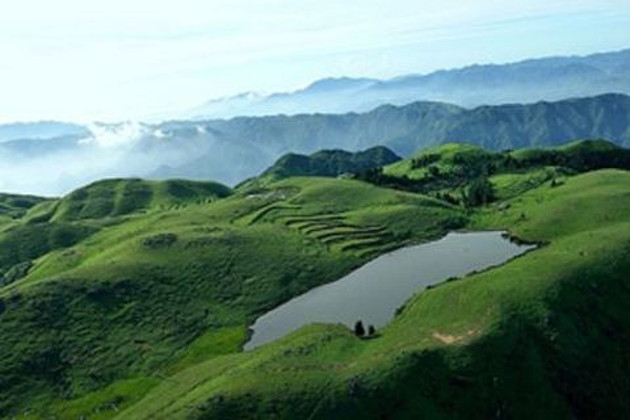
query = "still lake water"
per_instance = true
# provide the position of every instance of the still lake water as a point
(373, 292)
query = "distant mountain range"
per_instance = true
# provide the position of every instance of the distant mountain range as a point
(549, 79)
(40, 130)
(243, 147)
(230, 151)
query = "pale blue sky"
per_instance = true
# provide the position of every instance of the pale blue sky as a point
(122, 59)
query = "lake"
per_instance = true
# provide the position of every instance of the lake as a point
(373, 292)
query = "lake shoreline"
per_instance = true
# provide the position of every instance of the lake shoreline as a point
(375, 292)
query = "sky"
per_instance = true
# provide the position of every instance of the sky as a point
(111, 60)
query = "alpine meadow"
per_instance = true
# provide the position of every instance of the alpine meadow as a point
(406, 219)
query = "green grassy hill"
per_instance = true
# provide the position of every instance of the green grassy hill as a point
(139, 292)
(33, 227)
(329, 163)
(541, 337)
(446, 171)
(118, 197)
(144, 312)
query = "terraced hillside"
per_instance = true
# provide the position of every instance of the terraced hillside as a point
(336, 231)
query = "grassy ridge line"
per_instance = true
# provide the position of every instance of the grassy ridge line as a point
(521, 326)
(119, 197)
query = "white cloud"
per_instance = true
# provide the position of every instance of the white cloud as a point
(116, 135)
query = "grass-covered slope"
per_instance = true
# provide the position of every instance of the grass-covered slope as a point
(447, 170)
(13, 206)
(148, 294)
(118, 197)
(34, 226)
(144, 315)
(459, 160)
(544, 336)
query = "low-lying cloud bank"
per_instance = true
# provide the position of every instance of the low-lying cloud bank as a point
(56, 165)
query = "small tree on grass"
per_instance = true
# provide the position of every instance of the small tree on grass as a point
(359, 330)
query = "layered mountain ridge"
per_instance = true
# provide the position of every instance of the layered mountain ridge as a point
(232, 150)
(550, 79)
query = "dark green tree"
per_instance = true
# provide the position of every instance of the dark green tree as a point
(479, 192)
(359, 330)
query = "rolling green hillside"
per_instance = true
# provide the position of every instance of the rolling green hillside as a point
(446, 171)
(143, 313)
(131, 298)
(118, 197)
(541, 337)
(541, 300)
(33, 227)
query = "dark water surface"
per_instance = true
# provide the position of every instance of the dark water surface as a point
(373, 292)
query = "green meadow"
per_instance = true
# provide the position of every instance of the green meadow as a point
(131, 299)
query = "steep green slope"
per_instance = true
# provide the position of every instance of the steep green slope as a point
(544, 336)
(139, 295)
(14, 249)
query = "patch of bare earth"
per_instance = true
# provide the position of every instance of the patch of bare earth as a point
(450, 339)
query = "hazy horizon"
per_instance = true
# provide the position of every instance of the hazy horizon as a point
(115, 61)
